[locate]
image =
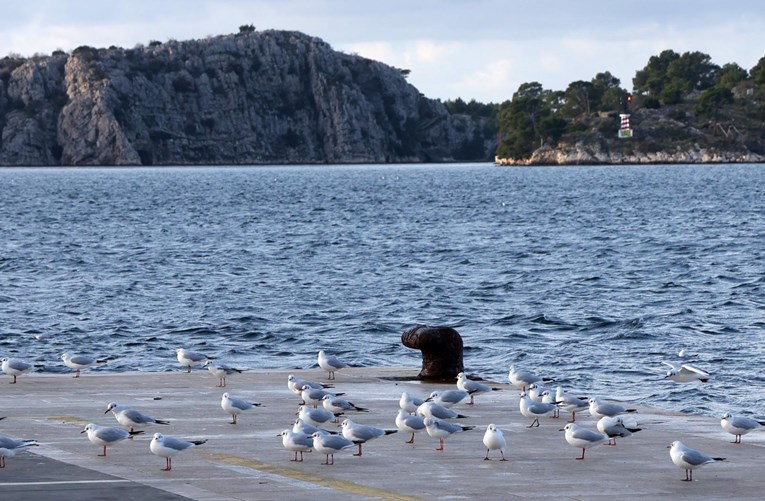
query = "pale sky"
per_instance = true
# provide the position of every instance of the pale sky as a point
(473, 49)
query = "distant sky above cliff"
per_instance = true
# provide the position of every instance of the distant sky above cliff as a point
(473, 49)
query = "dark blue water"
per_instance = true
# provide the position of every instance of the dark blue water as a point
(591, 275)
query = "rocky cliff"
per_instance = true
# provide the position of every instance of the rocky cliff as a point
(250, 98)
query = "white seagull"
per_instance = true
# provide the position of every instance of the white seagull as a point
(329, 445)
(536, 390)
(447, 398)
(494, 440)
(598, 408)
(235, 406)
(739, 425)
(521, 379)
(409, 423)
(167, 447)
(532, 409)
(315, 417)
(330, 363)
(434, 410)
(296, 442)
(570, 403)
(410, 403)
(337, 405)
(296, 384)
(107, 435)
(440, 429)
(189, 358)
(131, 418)
(472, 387)
(686, 373)
(10, 446)
(221, 371)
(689, 459)
(301, 426)
(80, 362)
(14, 367)
(583, 438)
(616, 427)
(360, 434)
(313, 396)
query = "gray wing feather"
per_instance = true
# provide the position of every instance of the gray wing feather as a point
(695, 458)
(177, 444)
(588, 435)
(336, 442)
(137, 417)
(112, 434)
(415, 422)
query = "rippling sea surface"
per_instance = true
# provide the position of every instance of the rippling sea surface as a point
(590, 275)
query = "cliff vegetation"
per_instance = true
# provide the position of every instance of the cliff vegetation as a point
(683, 109)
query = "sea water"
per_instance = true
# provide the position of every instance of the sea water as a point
(592, 276)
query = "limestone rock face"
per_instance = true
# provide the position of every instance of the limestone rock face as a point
(249, 98)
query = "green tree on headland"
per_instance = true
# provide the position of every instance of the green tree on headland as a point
(670, 76)
(680, 100)
(758, 71)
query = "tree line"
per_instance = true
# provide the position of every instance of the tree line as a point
(536, 116)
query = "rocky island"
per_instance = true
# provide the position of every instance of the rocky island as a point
(270, 97)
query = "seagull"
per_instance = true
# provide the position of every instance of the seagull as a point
(189, 358)
(686, 373)
(315, 417)
(548, 397)
(409, 423)
(336, 404)
(521, 379)
(129, 417)
(221, 370)
(616, 427)
(689, 459)
(313, 396)
(739, 425)
(535, 391)
(10, 446)
(472, 387)
(360, 434)
(309, 429)
(296, 442)
(329, 445)
(107, 435)
(80, 362)
(494, 440)
(330, 363)
(598, 409)
(434, 410)
(296, 385)
(235, 406)
(409, 403)
(531, 409)
(167, 447)
(447, 398)
(15, 367)
(570, 403)
(581, 437)
(440, 429)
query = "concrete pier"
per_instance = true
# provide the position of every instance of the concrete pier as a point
(246, 461)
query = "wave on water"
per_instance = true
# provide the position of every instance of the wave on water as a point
(591, 275)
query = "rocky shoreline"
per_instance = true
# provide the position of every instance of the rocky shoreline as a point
(592, 154)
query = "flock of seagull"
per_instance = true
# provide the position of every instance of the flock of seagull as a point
(321, 405)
